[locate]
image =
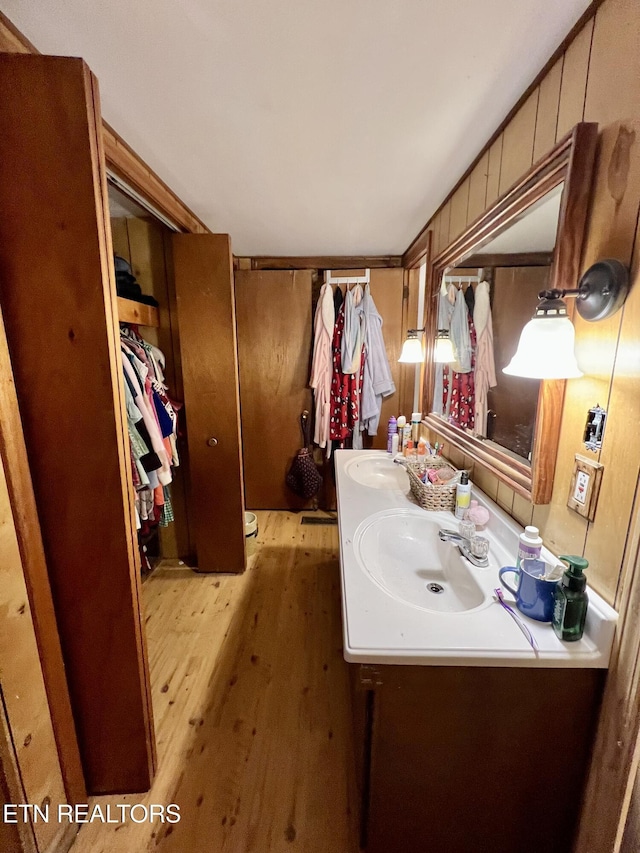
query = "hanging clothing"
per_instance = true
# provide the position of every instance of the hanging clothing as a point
(485, 368)
(446, 303)
(345, 389)
(353, 335)
(460, 337)
(322, 363)
(152, 426)
(377, 380)
(460, 388)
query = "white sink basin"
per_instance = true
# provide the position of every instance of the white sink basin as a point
(400, 551)
(380, 472)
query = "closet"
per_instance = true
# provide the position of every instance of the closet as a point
(142, 241)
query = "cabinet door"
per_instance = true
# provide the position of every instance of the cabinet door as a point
(203, 267)
(58, 300)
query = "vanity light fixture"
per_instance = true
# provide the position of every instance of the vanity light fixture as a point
(443, 352)
(412, 351)
(546, 347)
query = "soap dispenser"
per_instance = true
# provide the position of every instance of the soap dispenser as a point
(571, 600)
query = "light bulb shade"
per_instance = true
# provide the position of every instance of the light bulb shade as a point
(412, 352)
(443, 351)
(546, 350)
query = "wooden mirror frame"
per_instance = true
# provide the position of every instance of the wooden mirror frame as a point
(570, 161)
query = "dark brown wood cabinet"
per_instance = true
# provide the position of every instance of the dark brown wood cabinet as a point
(455, 759)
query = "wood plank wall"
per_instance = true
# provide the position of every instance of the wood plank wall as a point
(596, 79)
(29, 728)
(145, 243)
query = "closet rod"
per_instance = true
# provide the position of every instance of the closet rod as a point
(124, 187)
(347, 279)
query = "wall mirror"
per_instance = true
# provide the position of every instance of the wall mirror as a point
(528, 241)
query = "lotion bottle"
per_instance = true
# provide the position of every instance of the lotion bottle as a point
(463, 495)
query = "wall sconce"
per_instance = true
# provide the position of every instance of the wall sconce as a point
(412, 350)
(443, 351)
(546, 347)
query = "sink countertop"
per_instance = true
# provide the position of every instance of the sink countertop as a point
(379, 628)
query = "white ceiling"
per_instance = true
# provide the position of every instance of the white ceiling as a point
(301, 127)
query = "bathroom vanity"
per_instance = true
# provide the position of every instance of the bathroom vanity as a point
(466, 737)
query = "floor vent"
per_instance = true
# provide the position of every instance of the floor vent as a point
(312, 519)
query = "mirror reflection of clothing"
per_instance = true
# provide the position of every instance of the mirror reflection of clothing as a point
(445, 312)
(485, 370)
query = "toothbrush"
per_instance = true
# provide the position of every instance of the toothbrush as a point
(516, 618)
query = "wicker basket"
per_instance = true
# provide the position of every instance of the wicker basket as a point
(430, 497)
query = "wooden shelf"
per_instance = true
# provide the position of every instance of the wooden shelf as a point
(138, 313)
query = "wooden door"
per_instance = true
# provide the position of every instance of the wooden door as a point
(203, 267)
(58, 299)
(274, 354)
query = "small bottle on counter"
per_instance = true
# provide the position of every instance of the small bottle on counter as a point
(571, 600)
(463, 495)
(406, 435)
(392, 429)
(529, 545)
(416, 417)
(401, 425)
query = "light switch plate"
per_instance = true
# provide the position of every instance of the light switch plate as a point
(585, 486)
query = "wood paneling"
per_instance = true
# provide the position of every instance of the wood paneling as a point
(57, 283)
(207, 321)
(615, 757)
(434, 224)
(493, 172)
(23, 689)
(252, 705)
(607, 536)
(478, 189)
(613, 92)
(20, 528)
(517, 146)
(321, 262)
(610, 233)
(275, 338)
(459, 207)
(574, 81)
(547, 115)
(445, 223)
(18, 837)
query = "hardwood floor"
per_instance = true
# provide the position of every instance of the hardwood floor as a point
(251, 703)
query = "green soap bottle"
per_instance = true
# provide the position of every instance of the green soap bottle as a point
(571, 600)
